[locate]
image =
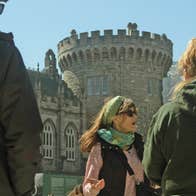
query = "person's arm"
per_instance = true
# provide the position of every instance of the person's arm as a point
(20, 122)
(91, 184)
(153, 160)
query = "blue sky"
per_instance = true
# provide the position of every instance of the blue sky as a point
(39, 24)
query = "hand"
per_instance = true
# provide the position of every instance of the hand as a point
(155, 186)
(96, 185)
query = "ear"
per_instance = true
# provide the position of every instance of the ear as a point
(117, 119)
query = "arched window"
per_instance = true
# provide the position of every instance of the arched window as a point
(130, 53)
(70, 143)
(113, 52)
(61, 65)
(81, 56)
(105, 55)
(147, 53)
(74, 57)
(88, 56)
(163, 60)
(65, 61)
(122, 53)
(139, 54)
(153, 56)
(48, 140)
(159, 58)
(96, 55)
(69, 59)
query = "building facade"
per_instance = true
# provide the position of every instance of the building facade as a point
(62, 116)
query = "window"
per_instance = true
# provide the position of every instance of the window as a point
(70, 143)
(90, 86)
(98, 85)
(88, 55)
(48, 141)
(105, 85)
(130, 53)
(147, 53)
(113, 53)
(122, 53)
(81, 56)
(150, 86)
(139, 54)
(50, 57)
(105, 54)
(154, 87)
(96, 55)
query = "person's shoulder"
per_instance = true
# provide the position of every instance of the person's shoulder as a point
(7, 37)
(168, 111)
(7, 46)
(169, 108)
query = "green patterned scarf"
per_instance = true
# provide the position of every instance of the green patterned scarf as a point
(112, 136)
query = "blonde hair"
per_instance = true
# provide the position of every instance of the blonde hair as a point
(89, 137)
(187, 61)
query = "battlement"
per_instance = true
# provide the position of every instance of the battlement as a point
(128, 45)
(108, 37)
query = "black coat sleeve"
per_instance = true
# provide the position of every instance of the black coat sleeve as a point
(19, 120)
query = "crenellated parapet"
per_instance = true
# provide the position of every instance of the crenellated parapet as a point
(126, 45)
(108, 37)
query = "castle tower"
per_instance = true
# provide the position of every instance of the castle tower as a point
(50, 64)
(130, 63)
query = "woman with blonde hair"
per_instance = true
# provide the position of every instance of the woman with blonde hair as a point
(114, 163)
(169, 155)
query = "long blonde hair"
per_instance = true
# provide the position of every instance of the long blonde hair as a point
(89, 137)
(187, 61)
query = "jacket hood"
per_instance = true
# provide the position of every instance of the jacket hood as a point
(186, 97)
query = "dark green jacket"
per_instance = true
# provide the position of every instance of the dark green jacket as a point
(20, 123)
(170, 149)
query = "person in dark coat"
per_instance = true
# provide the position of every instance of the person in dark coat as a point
(20, 123)
(169, 155)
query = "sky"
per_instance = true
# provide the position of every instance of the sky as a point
(39, 25)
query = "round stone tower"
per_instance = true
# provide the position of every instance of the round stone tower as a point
(128, 63)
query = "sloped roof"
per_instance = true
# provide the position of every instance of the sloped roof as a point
(49, 86)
